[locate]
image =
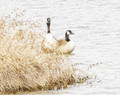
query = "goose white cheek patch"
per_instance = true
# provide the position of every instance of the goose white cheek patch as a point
(68, 33)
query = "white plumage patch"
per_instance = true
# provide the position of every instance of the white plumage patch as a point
(49, 43)
(67, 48)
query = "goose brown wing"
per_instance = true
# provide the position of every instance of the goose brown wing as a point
(62, 42)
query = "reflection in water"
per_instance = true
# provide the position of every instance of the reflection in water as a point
(96, 24)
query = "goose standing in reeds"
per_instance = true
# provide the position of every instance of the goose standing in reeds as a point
(66, 46)
(49, 43)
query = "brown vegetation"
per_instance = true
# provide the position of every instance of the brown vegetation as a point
(23, 65)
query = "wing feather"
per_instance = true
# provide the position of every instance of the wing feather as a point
(62, 42)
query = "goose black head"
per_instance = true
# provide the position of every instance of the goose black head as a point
(48, 24)
(68, 32)
(48, 21)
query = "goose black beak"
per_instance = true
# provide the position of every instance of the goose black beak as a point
(72, 33)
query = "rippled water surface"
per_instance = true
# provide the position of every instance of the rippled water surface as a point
(96, 24)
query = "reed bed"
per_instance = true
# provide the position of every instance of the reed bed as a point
(23, 65)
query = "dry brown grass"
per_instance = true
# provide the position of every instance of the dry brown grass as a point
(23, 65)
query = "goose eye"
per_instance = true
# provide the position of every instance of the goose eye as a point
(70, 32)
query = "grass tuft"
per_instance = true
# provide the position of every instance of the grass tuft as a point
(23, 65)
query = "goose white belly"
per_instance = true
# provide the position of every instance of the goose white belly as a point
(67, 48)
(49, 43)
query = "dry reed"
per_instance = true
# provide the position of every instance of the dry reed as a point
(23, 65)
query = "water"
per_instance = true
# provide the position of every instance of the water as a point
(96, 24)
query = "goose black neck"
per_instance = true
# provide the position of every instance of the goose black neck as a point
(48, 27)
(67, 37)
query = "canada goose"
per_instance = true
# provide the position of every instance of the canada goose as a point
(49, 42)
(66, 46)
